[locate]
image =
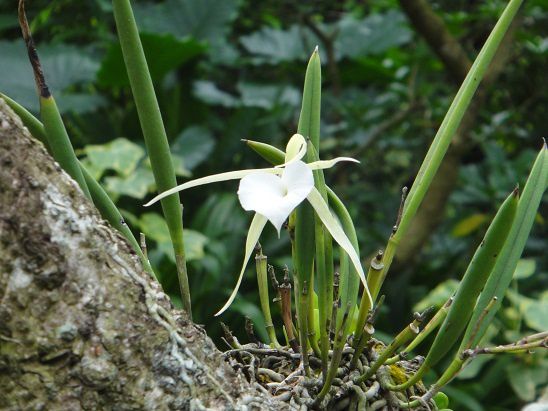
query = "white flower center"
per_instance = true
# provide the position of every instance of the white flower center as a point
(276, 197)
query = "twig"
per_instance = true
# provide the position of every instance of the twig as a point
(285, 295)
(505, 349)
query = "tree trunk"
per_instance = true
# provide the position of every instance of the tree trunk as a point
(82, 327)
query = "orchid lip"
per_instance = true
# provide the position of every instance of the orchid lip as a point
(275, 197)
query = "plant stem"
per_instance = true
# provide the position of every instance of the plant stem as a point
(338, 347)
(312, 339)
(434, 322)
(285, 300)
(403, 337)
(361, 343)
(375, 269)
(262, 281)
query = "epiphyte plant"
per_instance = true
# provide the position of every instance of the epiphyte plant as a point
(337, 357)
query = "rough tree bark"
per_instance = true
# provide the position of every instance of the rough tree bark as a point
(82, 327)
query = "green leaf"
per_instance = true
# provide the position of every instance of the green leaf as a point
(526, 268)
(179, 166)
(452, 120)
(501, 276)
(536, 313)
(473, 281)
(372, 35)
(208, 92)
(205, 20)
(137, 185)
(193, 145)
(163, 53)
(273, 46)
(473, 368)
(464, 400)
(525, 379)
(120, 155)
(441, 400)
(267, 96)
(63, 66)
(80, 103)
(155, 228)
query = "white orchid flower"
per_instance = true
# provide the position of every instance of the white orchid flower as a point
(273, 193)
(275, 197)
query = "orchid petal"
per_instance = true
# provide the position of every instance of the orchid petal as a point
(255, 230)
(215, 178)
(263, 193)
(338, 234)
(298, 179)
(295, 149)
(275, 197)
(323, 164)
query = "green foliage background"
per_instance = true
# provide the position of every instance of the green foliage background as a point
(233, 69)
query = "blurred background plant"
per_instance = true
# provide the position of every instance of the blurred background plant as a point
(229, 70)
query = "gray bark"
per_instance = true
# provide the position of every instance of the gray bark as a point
(82, 327)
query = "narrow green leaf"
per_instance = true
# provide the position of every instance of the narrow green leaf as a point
(506, 263)
(59, 142)
(154, 134)
(309, 120)
(324, 270)
(304, 240)
(447, 129)
(473, 280)
(454, 116)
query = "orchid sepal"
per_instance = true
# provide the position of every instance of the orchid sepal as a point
(255, 230)
(322, 210)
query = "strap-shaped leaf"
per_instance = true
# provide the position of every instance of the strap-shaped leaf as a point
(255, 230)
(502, 273)
(473, 280)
